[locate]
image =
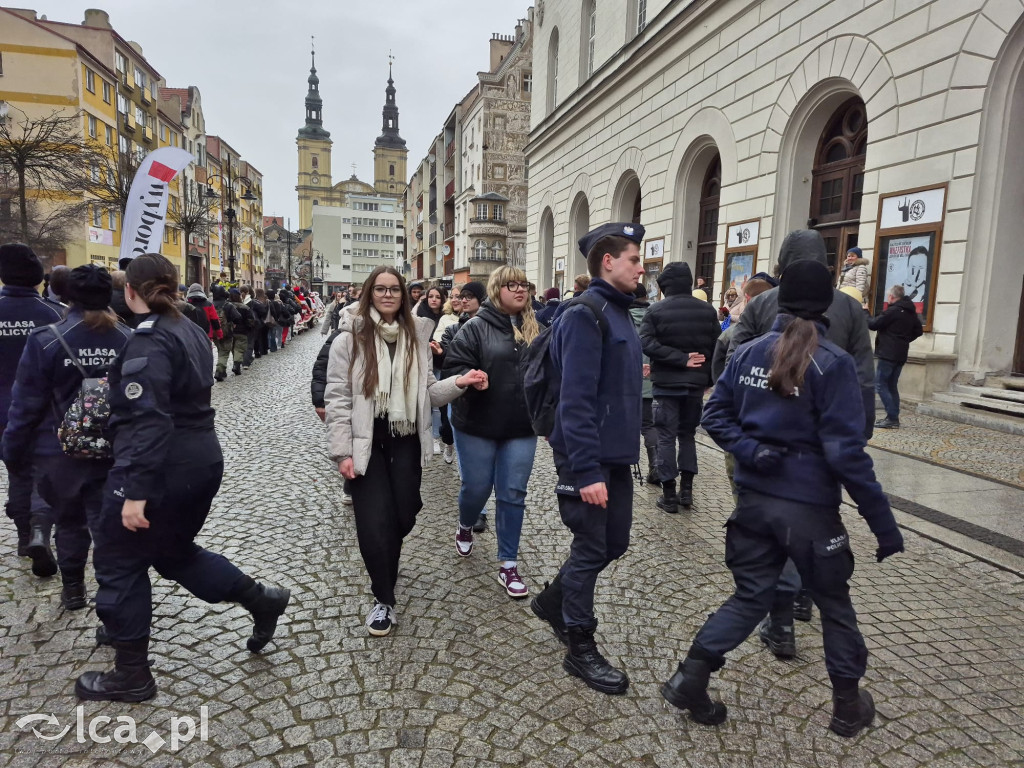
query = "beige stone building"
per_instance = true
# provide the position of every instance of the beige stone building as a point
(890, 125)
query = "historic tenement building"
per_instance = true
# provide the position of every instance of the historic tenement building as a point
(722, 125)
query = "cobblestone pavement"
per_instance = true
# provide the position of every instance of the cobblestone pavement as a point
(471, 678)
(963, 447)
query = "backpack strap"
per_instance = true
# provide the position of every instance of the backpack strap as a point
(597, 307)
(74, 360)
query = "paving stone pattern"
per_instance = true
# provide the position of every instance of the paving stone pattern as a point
(471, 678)
(962, 447)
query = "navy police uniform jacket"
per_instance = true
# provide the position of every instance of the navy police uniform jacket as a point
(599, 408)
(820, 429)
(47, 381)
(21, 310)
(159, 390)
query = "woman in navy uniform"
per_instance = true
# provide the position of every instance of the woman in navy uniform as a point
(47, 383)
(787, 408)
(167, 470)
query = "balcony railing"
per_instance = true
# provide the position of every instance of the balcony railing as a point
(449, 150)
(432, 240)
(449, 190)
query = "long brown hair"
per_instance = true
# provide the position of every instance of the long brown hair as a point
(155, 279)
(99, 319)
(364, 337)
(529, 328)
(791, 356)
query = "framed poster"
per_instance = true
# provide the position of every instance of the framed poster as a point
(907, 249)
(654, 249)
(650, 280)
(740, 255)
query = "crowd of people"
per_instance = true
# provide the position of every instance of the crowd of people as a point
(409, 372)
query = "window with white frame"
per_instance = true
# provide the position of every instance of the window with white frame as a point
(94, 171)
(92, 127)
(97, 216)
(481, 210)
(499, 212)
(90, 80)
(106, 92)
(641, 15)
(480, 249)
(498, 250)
(591, 27)
(112, 220)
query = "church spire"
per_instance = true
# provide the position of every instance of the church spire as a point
(389, 136)
(314, 127)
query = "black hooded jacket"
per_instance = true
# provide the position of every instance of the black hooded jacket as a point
(487, 342)
(847, 323)
(897, 326)
(676, 326)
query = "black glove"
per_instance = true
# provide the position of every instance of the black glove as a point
(767, 457)
(889, 543)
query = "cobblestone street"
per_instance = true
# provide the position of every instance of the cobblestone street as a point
(472, 678)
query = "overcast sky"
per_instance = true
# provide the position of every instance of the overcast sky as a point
(250, 61)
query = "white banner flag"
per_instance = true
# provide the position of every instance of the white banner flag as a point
(143, 228)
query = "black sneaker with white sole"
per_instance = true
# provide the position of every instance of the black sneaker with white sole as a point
(381, 619)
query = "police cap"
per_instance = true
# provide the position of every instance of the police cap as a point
(628, 230)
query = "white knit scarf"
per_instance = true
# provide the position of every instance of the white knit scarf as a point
(391, 399)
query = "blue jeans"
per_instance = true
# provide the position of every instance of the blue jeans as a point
(505, 466)
(275, 338)
(887, 376)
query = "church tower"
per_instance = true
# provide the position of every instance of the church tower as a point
(314, 184)
(389, 151)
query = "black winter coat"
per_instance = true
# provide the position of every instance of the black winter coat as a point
(318, 382)
(897, 326)
(676, 326)
(487, 342)
(246, 322)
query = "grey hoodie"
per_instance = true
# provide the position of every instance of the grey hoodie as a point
(848, 325)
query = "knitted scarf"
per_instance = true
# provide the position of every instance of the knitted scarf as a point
(393, 400)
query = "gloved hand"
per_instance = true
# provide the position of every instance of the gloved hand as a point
(889, 543)
(767, 457)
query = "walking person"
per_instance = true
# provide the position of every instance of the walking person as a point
(648, 429)
(167, 470)
(56, 360)
(197, 298)
(787, 408)
(896, 327)
(378, 397)
(450, 318)
(21, 310)
(242, 331)
(493, 434)
(678, 335)
(432, 308)
(595, 441)
(229, 318)
(260, 308)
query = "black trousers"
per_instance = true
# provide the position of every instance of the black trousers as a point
(25, 505)
(762, 533)
(677, 419)
(74, 490)
(647, 428)
(386, 500)
(176, 512)
(260, 342)
(600, 536)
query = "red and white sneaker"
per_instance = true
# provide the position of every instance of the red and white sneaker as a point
(464, 541)
(513, 582)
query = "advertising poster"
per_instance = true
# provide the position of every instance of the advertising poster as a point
(738, 270)
(908, 263)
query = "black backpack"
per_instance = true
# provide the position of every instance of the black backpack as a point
(542, 380)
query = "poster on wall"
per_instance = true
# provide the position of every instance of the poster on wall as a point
(738, 269)
(907, 260)
(650, 279)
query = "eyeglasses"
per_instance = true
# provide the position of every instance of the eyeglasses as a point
(384, 290)
(514, 287)
(468, 297)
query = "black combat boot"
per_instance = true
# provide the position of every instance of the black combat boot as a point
(43, 563)
(852, 709)
(102, 638)
(237, 369)
(24, 534)
(686, 490)
(266, 604)
(668, 501)
(652, 466)
(547, 606)
(585, 662)
(72, 593)
(129, 680)
(779, 637)
(803, 606)
(688, 689)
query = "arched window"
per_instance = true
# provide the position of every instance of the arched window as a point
(480, 250)
(707, 236)
(316, 202)
(588, 27)
(498, 250)
(839, 179)
(552, 95)
(391, 170)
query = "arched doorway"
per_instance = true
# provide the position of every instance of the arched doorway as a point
(838, 179)
(547, 246)
(626, 204)
(579, 225)
(707, 218)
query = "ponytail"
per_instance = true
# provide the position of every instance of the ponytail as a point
(155, 279)
(791, 356)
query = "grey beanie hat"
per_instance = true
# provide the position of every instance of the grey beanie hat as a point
(194, 291)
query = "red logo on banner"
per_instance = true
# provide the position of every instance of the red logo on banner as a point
(161, 172)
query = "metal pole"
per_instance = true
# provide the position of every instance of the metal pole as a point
(288, 277)
(231, 223)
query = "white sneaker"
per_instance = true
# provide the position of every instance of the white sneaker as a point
(381, 620)
(437, 447)
(346, 500)
(449, 454)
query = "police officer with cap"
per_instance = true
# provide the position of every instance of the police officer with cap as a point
(48, 381)
(600, 401)
(167, 469)
(21, 310)
(787, 408)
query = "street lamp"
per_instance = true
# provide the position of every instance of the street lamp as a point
(229, 212)
(317, 262)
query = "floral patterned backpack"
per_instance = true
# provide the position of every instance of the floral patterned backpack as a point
(83, 430)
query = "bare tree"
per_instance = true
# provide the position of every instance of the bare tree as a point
(42, 162)
(193, 216)
(108, 178)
